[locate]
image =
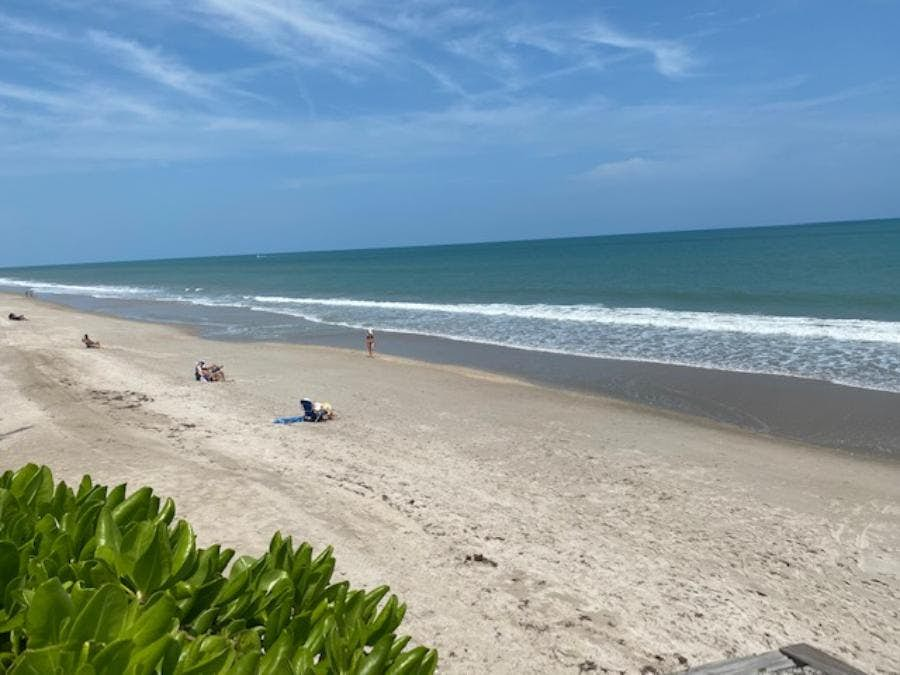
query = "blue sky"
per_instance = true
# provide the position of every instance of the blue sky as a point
(157, 128)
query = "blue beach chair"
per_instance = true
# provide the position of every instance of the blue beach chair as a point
(309, 414)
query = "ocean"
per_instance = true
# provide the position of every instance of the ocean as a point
(819, 301)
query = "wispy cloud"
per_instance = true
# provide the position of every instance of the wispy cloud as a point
(78, 106)
(598, 44)
(152, 64)
(304, 31)
(12, 24)
(502, 84)
(625, 168)
(810, 103)
(671, 58)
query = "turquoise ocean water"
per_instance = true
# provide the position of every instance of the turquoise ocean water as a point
(819, 301)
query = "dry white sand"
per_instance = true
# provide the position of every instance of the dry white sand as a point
(615, 537)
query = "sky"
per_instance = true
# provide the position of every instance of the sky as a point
(168, 128)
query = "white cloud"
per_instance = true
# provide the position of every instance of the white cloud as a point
(626, 168)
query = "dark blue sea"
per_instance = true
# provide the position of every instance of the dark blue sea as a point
(818, 301)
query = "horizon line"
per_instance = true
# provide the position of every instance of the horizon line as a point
(454, 244)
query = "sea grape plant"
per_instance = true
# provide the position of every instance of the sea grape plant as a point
(95, 581)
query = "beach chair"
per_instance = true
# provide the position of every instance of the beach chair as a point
(309, 413)
(794, 659)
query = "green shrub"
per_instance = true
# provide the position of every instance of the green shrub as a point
(96, 582)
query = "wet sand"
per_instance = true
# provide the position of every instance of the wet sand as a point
(809, 411)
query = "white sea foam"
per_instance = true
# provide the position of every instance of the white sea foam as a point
(850, 351)
(754, 324)
(758, 355)
(94, 291)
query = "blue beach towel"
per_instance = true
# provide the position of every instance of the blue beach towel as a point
(287, 420)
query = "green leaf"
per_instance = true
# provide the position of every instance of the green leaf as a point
(85, 525)
(384, 622)
(146, 659)
(278, 659)
(166, 512)
(377, 659)
(398, 646)
(429, 663)
(137, 537)
(101, 618)
(316, 639)
(236, 583)
(43, 491)
(22, 479)
(158, 617)
(204, 620)
(45, 661)
(154, 566)
(50, 605)
(107, 531)
(116, 496)
(247, 642)
(245, 562)
(202, 599)
(208, 656)
(184, 551)
(303, 661)
(278, 619)
(9, 565)
(372, 599)
(248, 664)
(408, 662)
(134, 507)
(62, 498)
(114, 658)
(84, 487)
(8, 623)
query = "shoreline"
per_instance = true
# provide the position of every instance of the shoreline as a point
(814, 412)
(614, 534)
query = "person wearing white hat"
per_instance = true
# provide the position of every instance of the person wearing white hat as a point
(370, 342)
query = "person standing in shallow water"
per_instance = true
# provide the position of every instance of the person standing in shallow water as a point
(370, 342)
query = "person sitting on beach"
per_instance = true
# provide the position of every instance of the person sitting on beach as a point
(208, 373)
(90, 344)
(325, 409)
(317, 411)
(17, 317)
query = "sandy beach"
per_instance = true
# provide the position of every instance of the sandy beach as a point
(613, 537)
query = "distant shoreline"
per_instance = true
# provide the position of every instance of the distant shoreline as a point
(450, 244)
(814, 412)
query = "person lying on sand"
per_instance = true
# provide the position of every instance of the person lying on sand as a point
(208, 373)
(90, 344)
(17, 317)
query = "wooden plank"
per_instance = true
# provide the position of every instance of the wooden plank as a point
(807, 655)
(770, 662)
